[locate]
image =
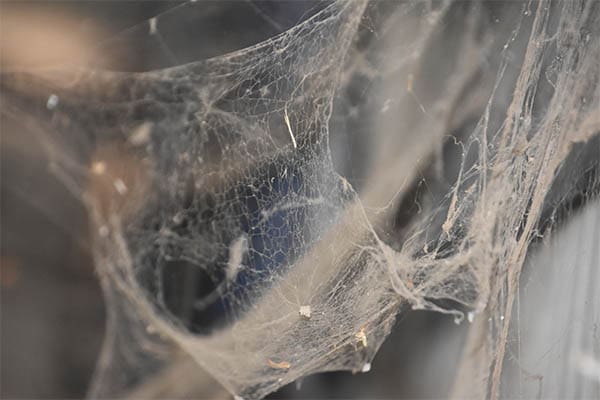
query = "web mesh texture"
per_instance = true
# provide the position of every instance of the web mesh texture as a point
(224, 228)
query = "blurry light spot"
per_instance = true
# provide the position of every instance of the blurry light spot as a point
(52, 102)
(120, 186)
(141, 134)
(99, 167)
(103, 231)
(471, 316)
(152, 23)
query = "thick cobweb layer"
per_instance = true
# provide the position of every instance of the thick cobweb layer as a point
(225, 227)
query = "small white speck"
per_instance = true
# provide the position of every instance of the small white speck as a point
(470, 316)
(52, 102)
(152, 23)
(386, 106)
(178, 218)
(366, 368)
(502, 318)
(305, 311)
(141, 134)
(264, 91)
(236, 397)
(103, 231)
(120, 186)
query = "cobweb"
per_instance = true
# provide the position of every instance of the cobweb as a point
(226, 226)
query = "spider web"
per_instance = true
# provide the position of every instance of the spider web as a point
(225, 227)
